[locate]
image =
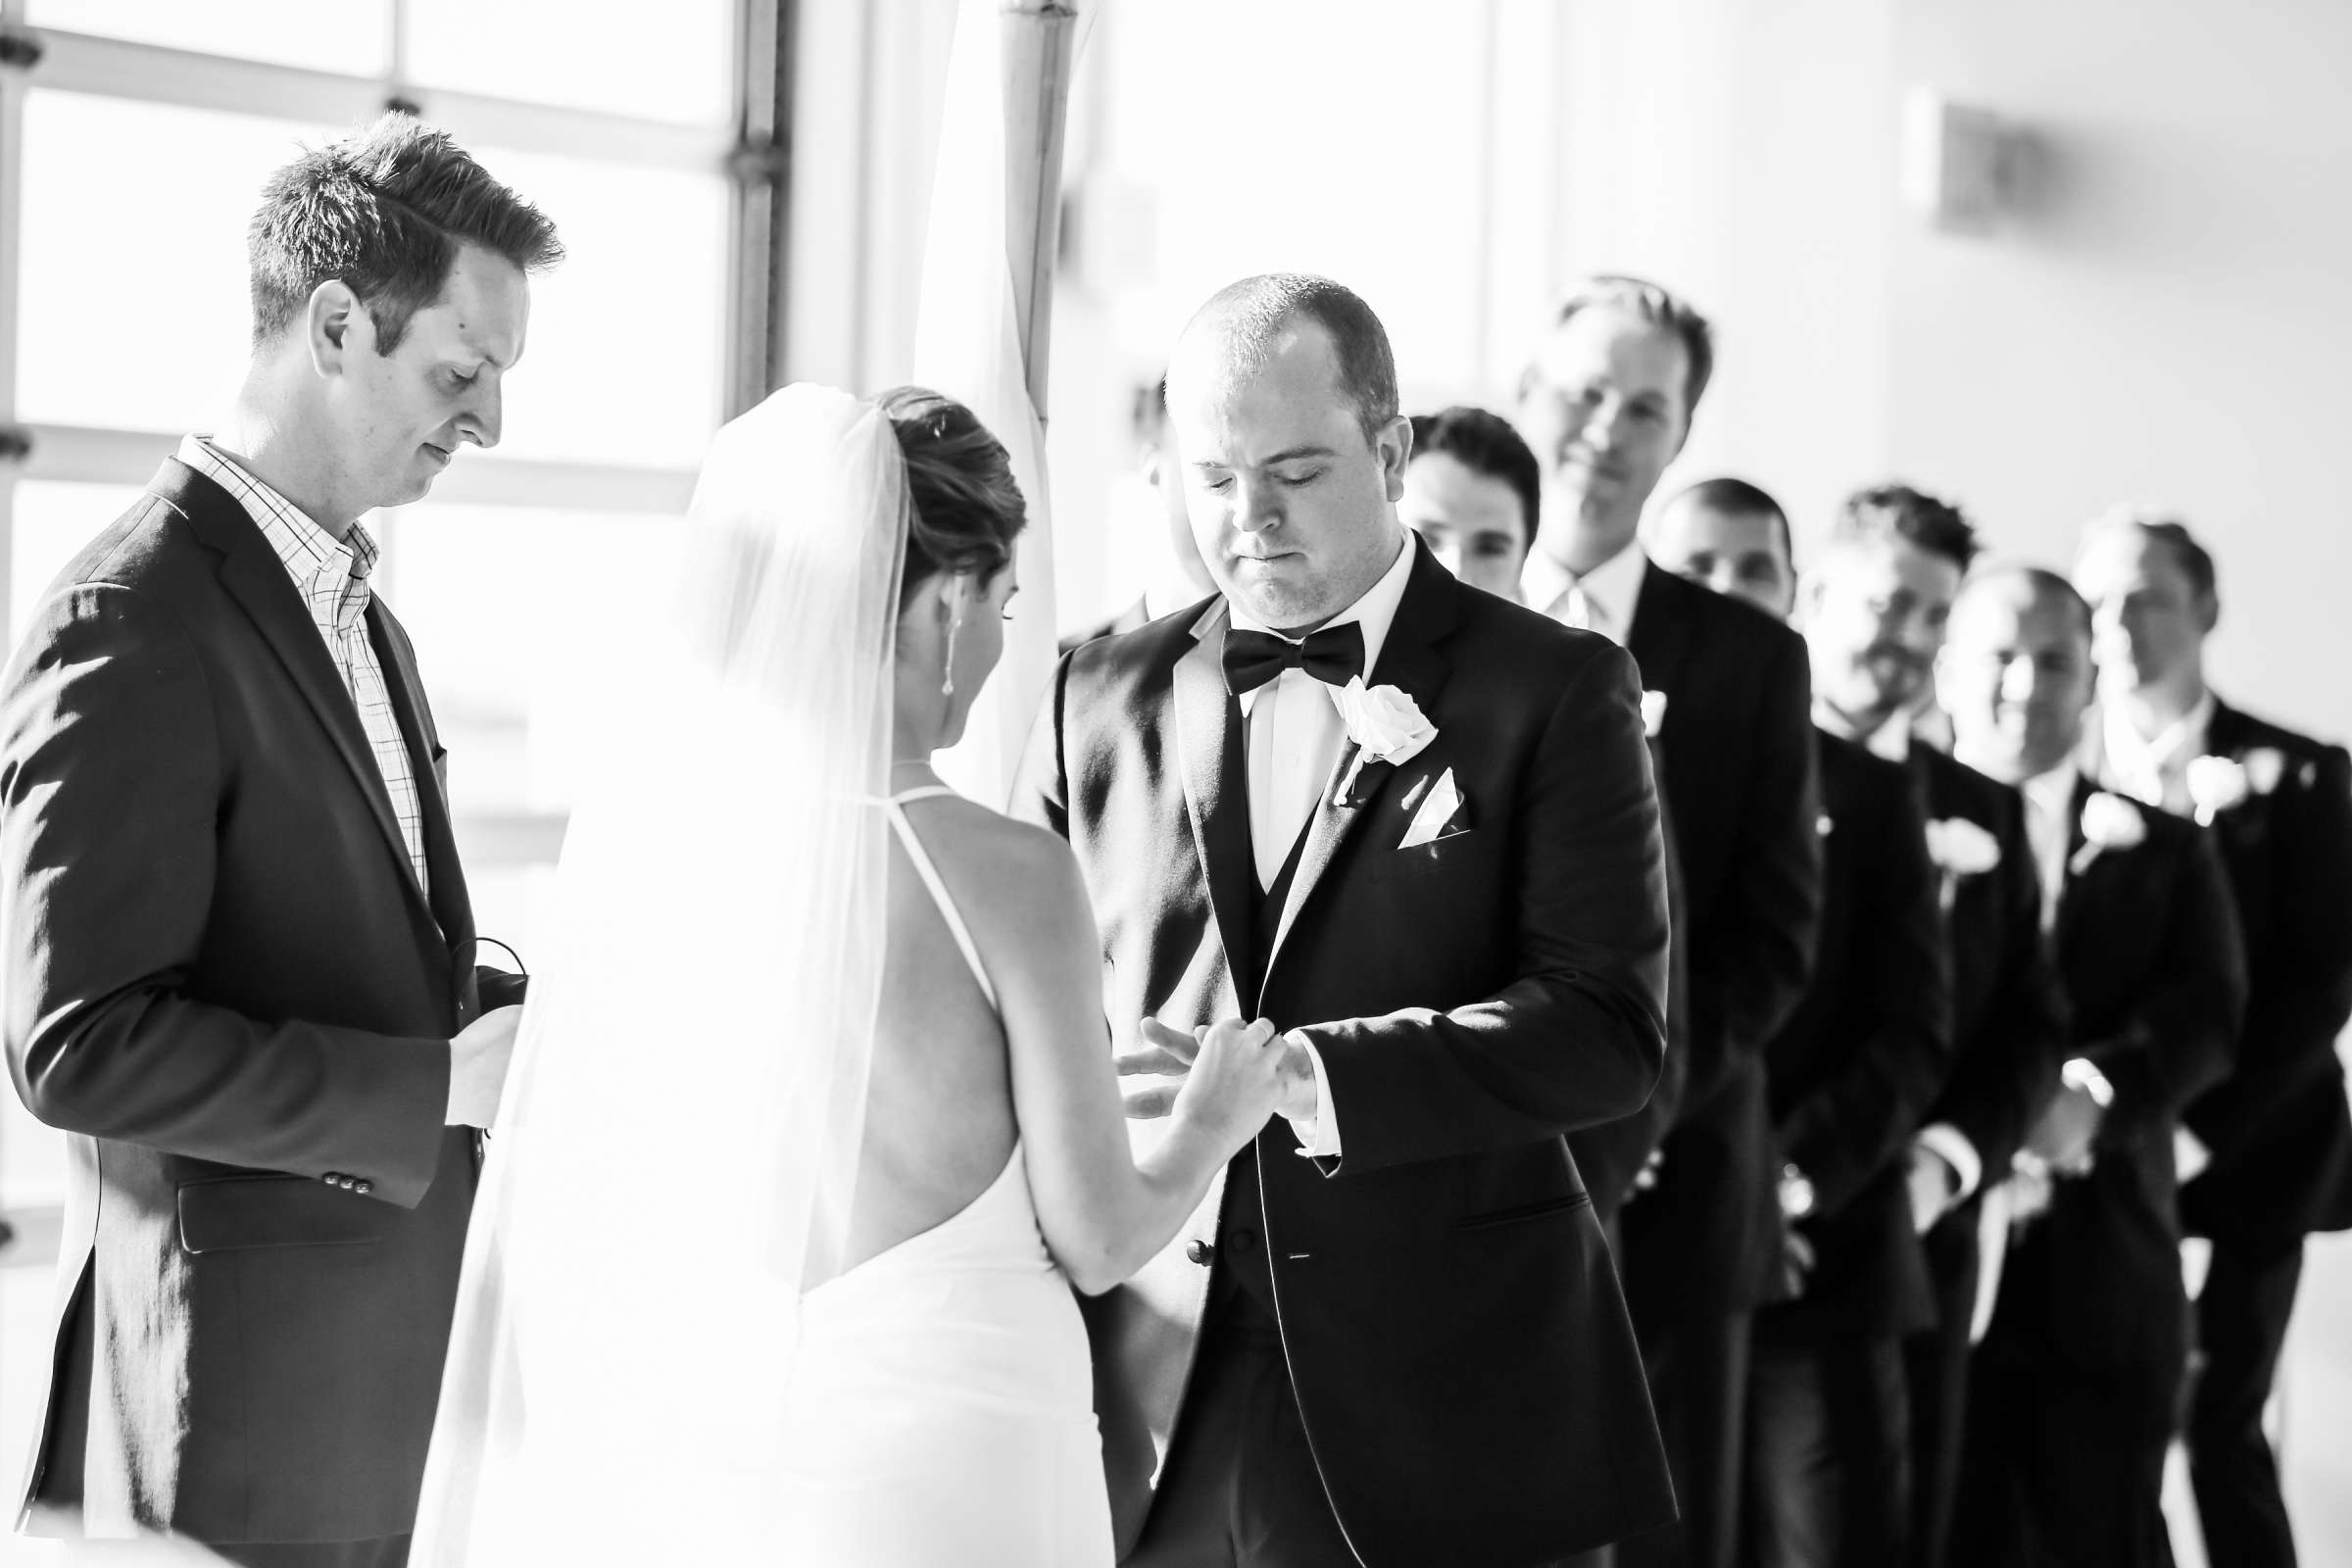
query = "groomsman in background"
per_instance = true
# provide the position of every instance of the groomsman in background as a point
(1875, 610)
(1848, 1077)
(2073, 1393)
(2272, 1140)
(1605, 402)
(1181, 579)
(1471, 492)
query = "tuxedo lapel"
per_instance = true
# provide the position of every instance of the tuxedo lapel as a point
(1660, 639)
(450, 906)
(1208, 744)
(1411, 663)
(256, 579)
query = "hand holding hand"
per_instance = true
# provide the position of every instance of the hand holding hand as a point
(1236, 1082)
(1648, 1176)
(477, 1067)
(2062, 1138)
(1796, 1261)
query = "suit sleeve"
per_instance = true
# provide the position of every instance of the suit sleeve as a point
(2176, 1040)
(110, 775)
(2288, 1048)
(1858, 1118)
(1748, 969)
(2005, 1075)
(1611, 1155)
(498, 988)
(1039, 791)
(1578, 1037)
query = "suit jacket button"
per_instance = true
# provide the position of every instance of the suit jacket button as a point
(348, 1182)
(1200, 1253)
(332, 1177)
(364, 1186)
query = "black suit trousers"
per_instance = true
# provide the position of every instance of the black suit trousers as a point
(1829, 1460)
(1936, 1363)
(1697, 1368)
(2242, 1326)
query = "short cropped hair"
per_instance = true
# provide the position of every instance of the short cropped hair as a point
(384, 211)
(1486, 444)
(1253, 313)
(1737, 498)
(964, 508)
(2040, 583)
(1899, 512)
(1650, 303)
(2193, 559)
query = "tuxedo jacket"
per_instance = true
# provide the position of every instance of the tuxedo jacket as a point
(2148, 950)
(225, 984)
(2009, 1012)
(1739, 776)
(1459, 1350)
(2278, 1126)
(1850, 1073)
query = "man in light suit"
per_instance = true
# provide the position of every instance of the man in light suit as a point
(1414, 827)
(2267, 1154)
(238, 944)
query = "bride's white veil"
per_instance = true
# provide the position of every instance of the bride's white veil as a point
(680, 1131)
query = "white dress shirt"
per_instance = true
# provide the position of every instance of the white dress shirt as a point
(1602, 600)
(331, 577)
(1294, 738)
(2154, 770)
(2050, 829)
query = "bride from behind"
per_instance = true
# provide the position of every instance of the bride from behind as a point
(813, 1122)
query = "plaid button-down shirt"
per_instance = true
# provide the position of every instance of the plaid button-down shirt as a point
(332, 580)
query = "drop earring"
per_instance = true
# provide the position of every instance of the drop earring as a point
(947, 685)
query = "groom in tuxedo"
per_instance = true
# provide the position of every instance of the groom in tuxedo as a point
(1413, 825)
(238, 948)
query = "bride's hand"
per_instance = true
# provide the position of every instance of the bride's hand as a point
(1236, 1083)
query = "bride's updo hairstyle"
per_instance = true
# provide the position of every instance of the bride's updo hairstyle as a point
(963, 508)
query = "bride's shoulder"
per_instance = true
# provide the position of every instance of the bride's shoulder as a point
(1006, 860)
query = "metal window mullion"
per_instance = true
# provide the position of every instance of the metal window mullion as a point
(759, 174)
(119, 67)
(13, 86)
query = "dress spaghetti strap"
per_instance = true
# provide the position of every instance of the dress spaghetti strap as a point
(925, 868)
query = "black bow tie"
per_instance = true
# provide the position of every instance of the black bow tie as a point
(1333, 655)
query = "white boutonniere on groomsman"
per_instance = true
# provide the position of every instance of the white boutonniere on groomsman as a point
(1387, 729)
(1960, 848)
(1654, 714)
(2109, 823)
(2216, 784)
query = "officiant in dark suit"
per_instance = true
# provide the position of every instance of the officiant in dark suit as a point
(1606, 403)
(1876, 604)
(2073, 1393)
(1847, 1078)
(2268, 1152)
(1414, 827)
(239, 955)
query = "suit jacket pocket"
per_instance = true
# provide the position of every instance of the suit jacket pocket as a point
(1441, 850)
(227, 1213)
(1520, 1212)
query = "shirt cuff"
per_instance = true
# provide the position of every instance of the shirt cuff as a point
(1320, 1136)
(1950, 1145)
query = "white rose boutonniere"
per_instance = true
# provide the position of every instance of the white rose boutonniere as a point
(2266, 768)
(1960, 848)
(1654, 714)
(2109, 823)
(2216, 784)
(1387, 726)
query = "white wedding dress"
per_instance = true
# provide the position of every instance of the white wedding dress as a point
(941, 1403)
(639, 1369)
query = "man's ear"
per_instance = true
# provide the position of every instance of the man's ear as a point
(336, 326)
(1394, 442)
(2209, 613)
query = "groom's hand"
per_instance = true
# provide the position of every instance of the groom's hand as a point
(1152, 1074)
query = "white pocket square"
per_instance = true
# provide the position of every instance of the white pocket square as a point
(1436, 810)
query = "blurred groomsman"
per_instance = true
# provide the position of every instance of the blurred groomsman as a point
(2072, 1394)
(2272, 1139)
(1471, 492)
(1606, 404)
(1847, 1079)
(1181, 580)
(1875, 610)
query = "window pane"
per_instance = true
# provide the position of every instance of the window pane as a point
(133, 310)
(660, 64)
(624, 363)
(347, 35)
(515, 905)
(53, 521)
(522, 621)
